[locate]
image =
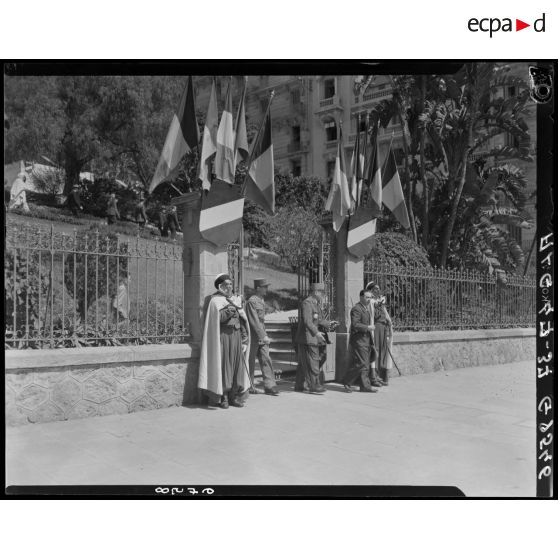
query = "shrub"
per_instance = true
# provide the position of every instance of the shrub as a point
(397, 249)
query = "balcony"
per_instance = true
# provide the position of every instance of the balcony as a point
(297, 147)
(330, 104)
(376, 95)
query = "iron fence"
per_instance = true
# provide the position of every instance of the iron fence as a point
(422, 299)
(88, 289)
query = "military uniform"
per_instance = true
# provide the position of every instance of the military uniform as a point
(255, 310)
(311, 351)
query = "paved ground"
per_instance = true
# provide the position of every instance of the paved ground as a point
(472, 428)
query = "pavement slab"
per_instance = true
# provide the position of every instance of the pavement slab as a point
(473, 428)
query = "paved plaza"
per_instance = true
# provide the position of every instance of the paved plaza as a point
(473, 428)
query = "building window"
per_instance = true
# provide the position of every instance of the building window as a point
(329, 88)
(295, 137)
(511, 91)
(295, 97)
(330, 130)
(362, 126)
(330, 169)
(296, 168)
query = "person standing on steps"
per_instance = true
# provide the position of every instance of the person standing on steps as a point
(259, 345)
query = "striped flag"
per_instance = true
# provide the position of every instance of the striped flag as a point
(357, 168)
(209, 142)
(393, 192)
(373, 180)
(241, 152)
(259, 184)
(362, 224)
(221, 213)
(182, 137)
(339, 199)
(224, 159)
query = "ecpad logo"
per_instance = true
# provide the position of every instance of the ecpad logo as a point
(494, 24)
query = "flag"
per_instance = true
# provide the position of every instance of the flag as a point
(221, 213)
(224, 159)
(182, 137)
(362, 224)
(393, 192)
(259, 184)
(209, 142)
(339, 199)
(357, 168)
(241, 139)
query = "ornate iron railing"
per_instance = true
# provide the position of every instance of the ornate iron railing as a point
(88, 289)
(422, 299)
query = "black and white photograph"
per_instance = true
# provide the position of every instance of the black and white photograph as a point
(271, 278)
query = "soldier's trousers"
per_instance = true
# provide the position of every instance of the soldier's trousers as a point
(266, 365)
(308, 369)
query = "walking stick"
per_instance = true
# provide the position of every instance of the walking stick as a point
(393, 360)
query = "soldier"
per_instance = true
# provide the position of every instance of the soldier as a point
(309, 339)
(259, 345)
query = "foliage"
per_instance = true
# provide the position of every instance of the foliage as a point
(397, 249)
(61, 215)
(22, 295)
(294, 233)
(86, 276)
(446, 120)
(49, 181)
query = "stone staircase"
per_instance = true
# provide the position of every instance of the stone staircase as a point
(281, 349)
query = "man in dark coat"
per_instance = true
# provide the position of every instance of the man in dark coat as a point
(361, 345)
(172, 222)
(309, 339)
(74, 201)
(259, 345)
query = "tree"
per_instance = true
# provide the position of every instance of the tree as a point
(294, 233)
(446, 120)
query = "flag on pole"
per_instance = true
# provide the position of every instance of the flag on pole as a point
(362, 224)
(373, 180)
(339, 199)
(182, 137)
(224, 158)
(241, 152)
(209, 142)
(392, 192)
(221, 213)
(259, 184)
(357, 168)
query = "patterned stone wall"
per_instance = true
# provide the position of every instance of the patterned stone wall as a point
(420, 358)
(69, 392)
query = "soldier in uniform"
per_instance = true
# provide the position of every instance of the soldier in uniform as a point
(309, 339)
(259, 345)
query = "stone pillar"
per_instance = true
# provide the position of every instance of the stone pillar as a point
(202, 261)
(348, 280)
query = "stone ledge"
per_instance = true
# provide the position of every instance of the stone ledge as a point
(460, 335)
(49, 358)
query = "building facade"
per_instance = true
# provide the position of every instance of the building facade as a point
(309, 111)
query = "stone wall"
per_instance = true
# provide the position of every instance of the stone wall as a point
(432, 351)
(422, 352)
(62, 384)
